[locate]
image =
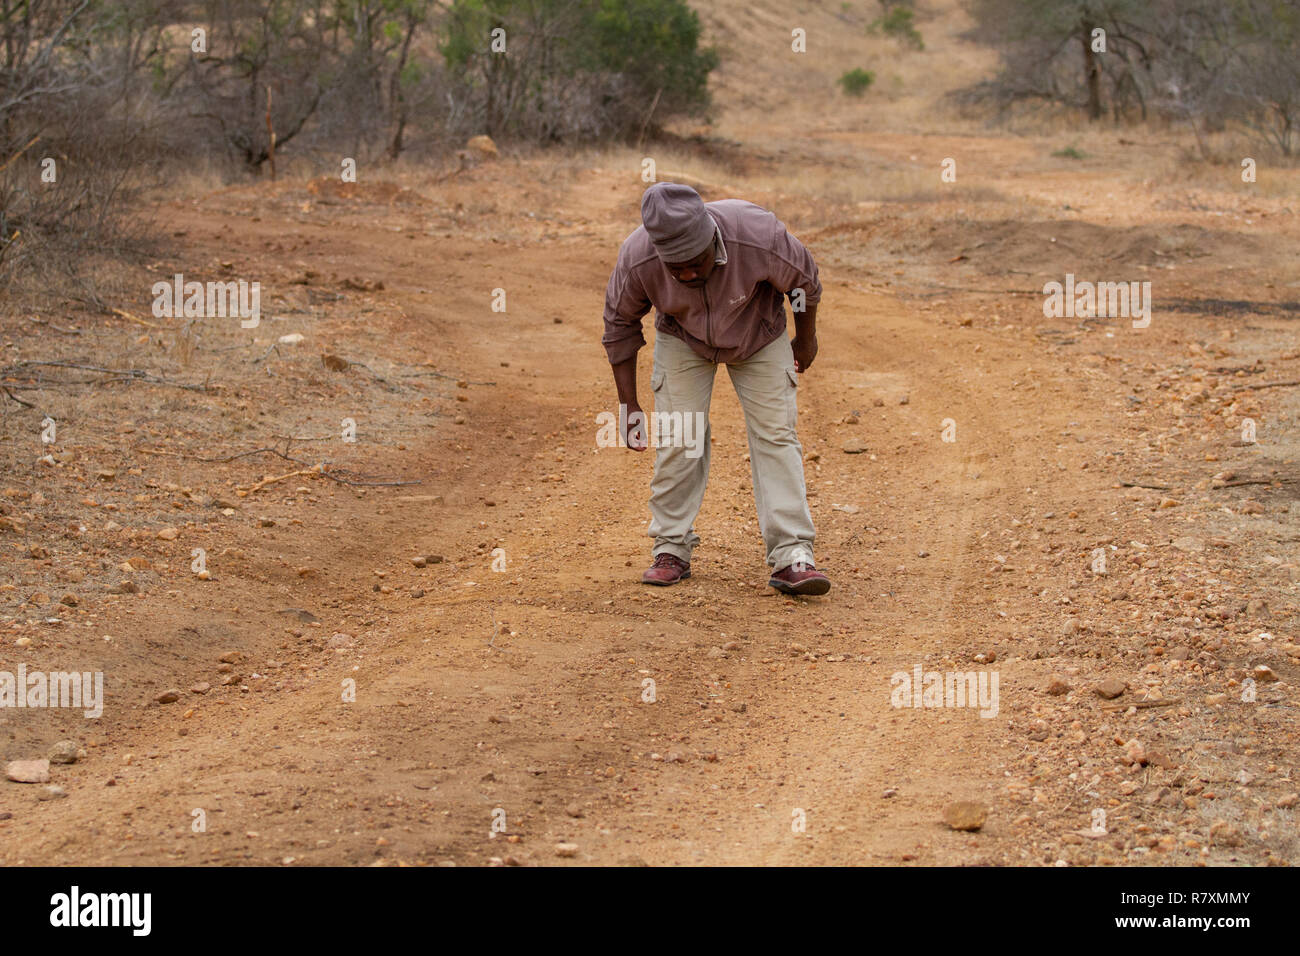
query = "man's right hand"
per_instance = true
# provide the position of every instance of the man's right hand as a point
(634, 429)
(635, 426)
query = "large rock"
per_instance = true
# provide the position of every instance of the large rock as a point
(28, 771)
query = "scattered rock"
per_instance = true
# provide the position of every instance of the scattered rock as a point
(1110, 688)
(575, 810)
(335, 363)
(202, 687)
(965, 815)
(28, 771)
(1057, 686)
(168, 697)
(168, 534)
(1135, 753)
(567, 850)
(69, 599)
(52, 792)
(1263, 674)
(483, 145)
(65, 751)
(1223, 833)
(305, 616)
(854, 446)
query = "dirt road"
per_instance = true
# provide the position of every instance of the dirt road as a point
(521, 689)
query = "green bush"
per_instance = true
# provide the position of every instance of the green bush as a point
(856, 81)
(897, 23)
(576, 69)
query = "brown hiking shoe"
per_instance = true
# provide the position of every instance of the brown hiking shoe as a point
(805, 580)
(667, 569)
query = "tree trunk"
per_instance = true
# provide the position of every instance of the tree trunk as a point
(1092, 73)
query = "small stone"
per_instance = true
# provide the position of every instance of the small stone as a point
(1110, 688)
(168, 697)
(1223, 833)
(230, 657)
(52, 792)
(127, 587)
(567, 850)
(1057, 686)
(965, 815)
(65, 751)
(1287, 801)
(202, 687)
(854, 446)
(28, 771)
(69, 599)
(575, 810)
(168, 534)
(1263, 674)
(419, 562)
(1135, 753)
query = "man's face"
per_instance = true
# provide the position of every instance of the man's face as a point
(695, 273)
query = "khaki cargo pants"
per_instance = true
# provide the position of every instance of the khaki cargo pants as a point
(766, 384)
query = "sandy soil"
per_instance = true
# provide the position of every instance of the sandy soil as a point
(500, 691)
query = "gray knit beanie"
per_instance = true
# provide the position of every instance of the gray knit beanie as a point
(677, 222)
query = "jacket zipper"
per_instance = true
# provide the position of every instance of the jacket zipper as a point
(708, 323)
